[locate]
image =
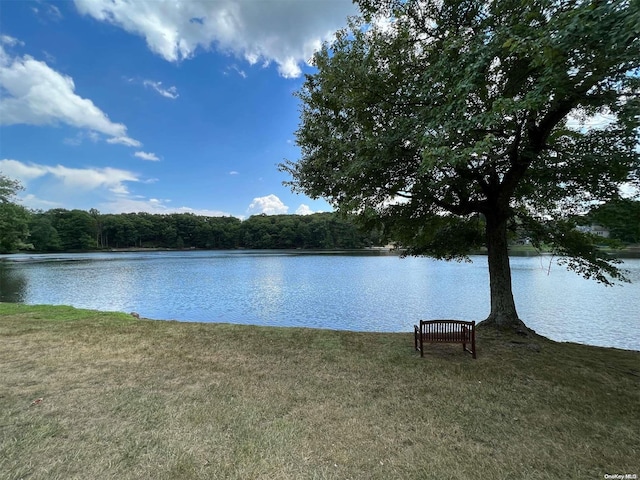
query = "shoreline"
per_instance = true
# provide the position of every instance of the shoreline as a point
(136, 316)
(629, 251)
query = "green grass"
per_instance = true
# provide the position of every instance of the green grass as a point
(136, 399)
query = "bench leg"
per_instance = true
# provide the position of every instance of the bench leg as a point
(416, 334)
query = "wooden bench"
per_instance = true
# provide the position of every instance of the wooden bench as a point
(446, 331)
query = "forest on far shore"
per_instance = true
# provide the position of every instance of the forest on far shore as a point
(60, 230)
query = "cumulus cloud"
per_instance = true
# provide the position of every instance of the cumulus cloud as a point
(171, 92)
(304, 210)
(35, 94)
(269, 205)
(286, 32)
(147, 156)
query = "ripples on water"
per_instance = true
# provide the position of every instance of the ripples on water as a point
(352, 292)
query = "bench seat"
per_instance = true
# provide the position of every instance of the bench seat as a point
(446, 331)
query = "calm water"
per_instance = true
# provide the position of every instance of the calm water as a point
(337, 291)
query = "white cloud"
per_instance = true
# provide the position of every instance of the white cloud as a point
(48, 187)
(8, 40)
(129, 142)
(269, 205)
(48, 12)
(171, 92)
(35, 94)
(36, 203)
(286, 32)
(79, 138)
(50, 58)
(54, 12)
(200, 211)
(22, 171)
(236, 69)
(304, 210)
(71, 179)
(153, 205)
(90, 179)
(233, 172)
(147, 156)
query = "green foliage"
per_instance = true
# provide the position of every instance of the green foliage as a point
(621, 216)
(14, 229)
(577, 250)
(318, 231)
(8, 188)
(73, 230)
(77, 230)
(13, 217)
(43, 235)
(449, 110)
(442, 237)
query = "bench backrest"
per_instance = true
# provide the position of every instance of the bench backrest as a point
(448, 331)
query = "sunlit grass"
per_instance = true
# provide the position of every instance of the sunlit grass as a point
(135, 399)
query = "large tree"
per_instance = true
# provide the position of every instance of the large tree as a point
(451, 121)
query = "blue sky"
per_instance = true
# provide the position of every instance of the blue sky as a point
(162, 107)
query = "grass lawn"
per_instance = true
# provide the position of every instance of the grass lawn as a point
(91, 395)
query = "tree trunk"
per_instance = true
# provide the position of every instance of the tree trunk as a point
(503, 308)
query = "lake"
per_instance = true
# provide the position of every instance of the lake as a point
(363, 291)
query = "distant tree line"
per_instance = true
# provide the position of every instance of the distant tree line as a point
(61, 230)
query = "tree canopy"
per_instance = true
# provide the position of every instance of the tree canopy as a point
(61, 230)
(449, 122)
(8, 188)
(13, 217)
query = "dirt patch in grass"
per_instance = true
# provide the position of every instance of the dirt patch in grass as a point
(134, 399)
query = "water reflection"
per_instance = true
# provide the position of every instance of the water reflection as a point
(13, 284)
(268, 286)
